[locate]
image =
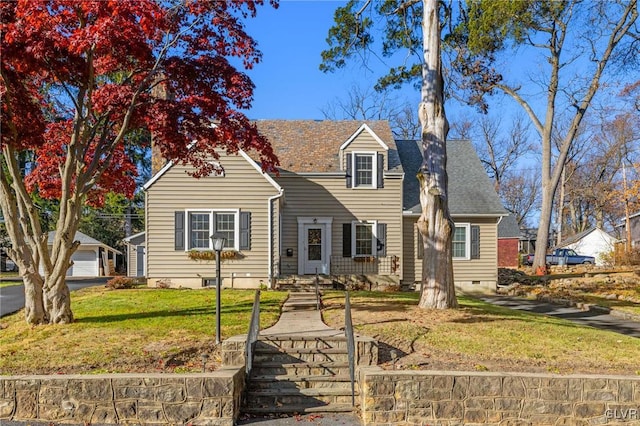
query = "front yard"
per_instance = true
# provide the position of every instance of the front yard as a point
(167, 330)
(482, 337)
(134, 330)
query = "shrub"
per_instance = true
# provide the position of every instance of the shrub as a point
(121, 283)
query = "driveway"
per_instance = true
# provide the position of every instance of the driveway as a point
(12, 297)
(590, 318)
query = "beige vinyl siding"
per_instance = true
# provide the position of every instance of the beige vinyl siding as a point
(484, 269)
(364, 142)
(242, 187)
(329, 197)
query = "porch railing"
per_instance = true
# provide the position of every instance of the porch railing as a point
(365, 265)
(252, 334)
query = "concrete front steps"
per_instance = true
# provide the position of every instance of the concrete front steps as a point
(307, 283)
(299, 374)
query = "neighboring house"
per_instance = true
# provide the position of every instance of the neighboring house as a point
(634, 226)
(345, 202)
(508, 242)
(136, 254)
(592, 242)
(529, 237)
(92, 259)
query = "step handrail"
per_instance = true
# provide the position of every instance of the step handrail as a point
(252, 334)
(351, 346)
(317, 291)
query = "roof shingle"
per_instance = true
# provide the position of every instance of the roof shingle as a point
(470, 189)
(306, 146)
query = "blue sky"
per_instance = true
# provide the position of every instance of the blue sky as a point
(289, 84)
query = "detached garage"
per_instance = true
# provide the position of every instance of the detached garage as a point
(92, 259)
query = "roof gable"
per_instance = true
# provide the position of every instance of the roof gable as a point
(470, 189)
(581, 235)
(84, 240)
(364, 128)
(244, 155)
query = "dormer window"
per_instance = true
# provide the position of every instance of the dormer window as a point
(364, 170)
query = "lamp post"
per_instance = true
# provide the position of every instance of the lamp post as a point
(218, 242)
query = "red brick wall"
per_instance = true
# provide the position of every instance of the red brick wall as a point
(508, 253)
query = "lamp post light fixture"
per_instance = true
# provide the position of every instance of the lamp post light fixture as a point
(217, 240)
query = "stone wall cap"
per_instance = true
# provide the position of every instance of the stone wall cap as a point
(221, 372)
(381, 372)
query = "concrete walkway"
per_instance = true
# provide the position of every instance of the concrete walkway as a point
(300, 316)
(591, 318)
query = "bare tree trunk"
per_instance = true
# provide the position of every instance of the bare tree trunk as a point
(542, 240)
(435, 223)
(560, 217)
(58, 300)
(34, 312)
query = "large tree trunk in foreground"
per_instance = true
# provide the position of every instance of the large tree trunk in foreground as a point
(435, 223)
(47, 298)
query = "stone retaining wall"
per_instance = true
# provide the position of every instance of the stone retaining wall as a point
(448, 398)
(161, 399)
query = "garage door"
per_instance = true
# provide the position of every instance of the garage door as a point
(84, 264)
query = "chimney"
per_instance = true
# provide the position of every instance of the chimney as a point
(159, 90)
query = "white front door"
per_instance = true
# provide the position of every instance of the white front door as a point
(314, 258)
(314, 245)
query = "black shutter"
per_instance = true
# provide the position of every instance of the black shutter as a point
(349, 179)
(475, 242)
(245, 230)
(419, 244)
(346, 240)
(179, 231)
(381, 236)
(380, 170)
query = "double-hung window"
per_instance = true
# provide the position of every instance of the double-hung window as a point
(199, 230)
(226, 225)
(363, 170)
(363, 238)
(203, 224)
(461, 242)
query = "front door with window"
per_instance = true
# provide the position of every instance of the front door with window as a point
(313, 246)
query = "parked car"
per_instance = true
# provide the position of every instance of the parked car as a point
(564, 257)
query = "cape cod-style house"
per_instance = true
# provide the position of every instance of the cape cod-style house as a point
(344, 203)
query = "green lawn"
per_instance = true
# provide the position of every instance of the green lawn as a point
(482, 336)
(139, 329)
(166, 330)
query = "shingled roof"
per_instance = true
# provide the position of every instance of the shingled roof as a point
(470, 189)
(307, 146)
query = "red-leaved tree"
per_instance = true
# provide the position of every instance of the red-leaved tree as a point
(78, 80)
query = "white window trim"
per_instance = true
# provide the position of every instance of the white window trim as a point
(374, 237)
(374, 171)
(467, 242)
(236, 227)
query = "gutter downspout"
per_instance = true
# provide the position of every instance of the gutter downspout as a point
(270, 236)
